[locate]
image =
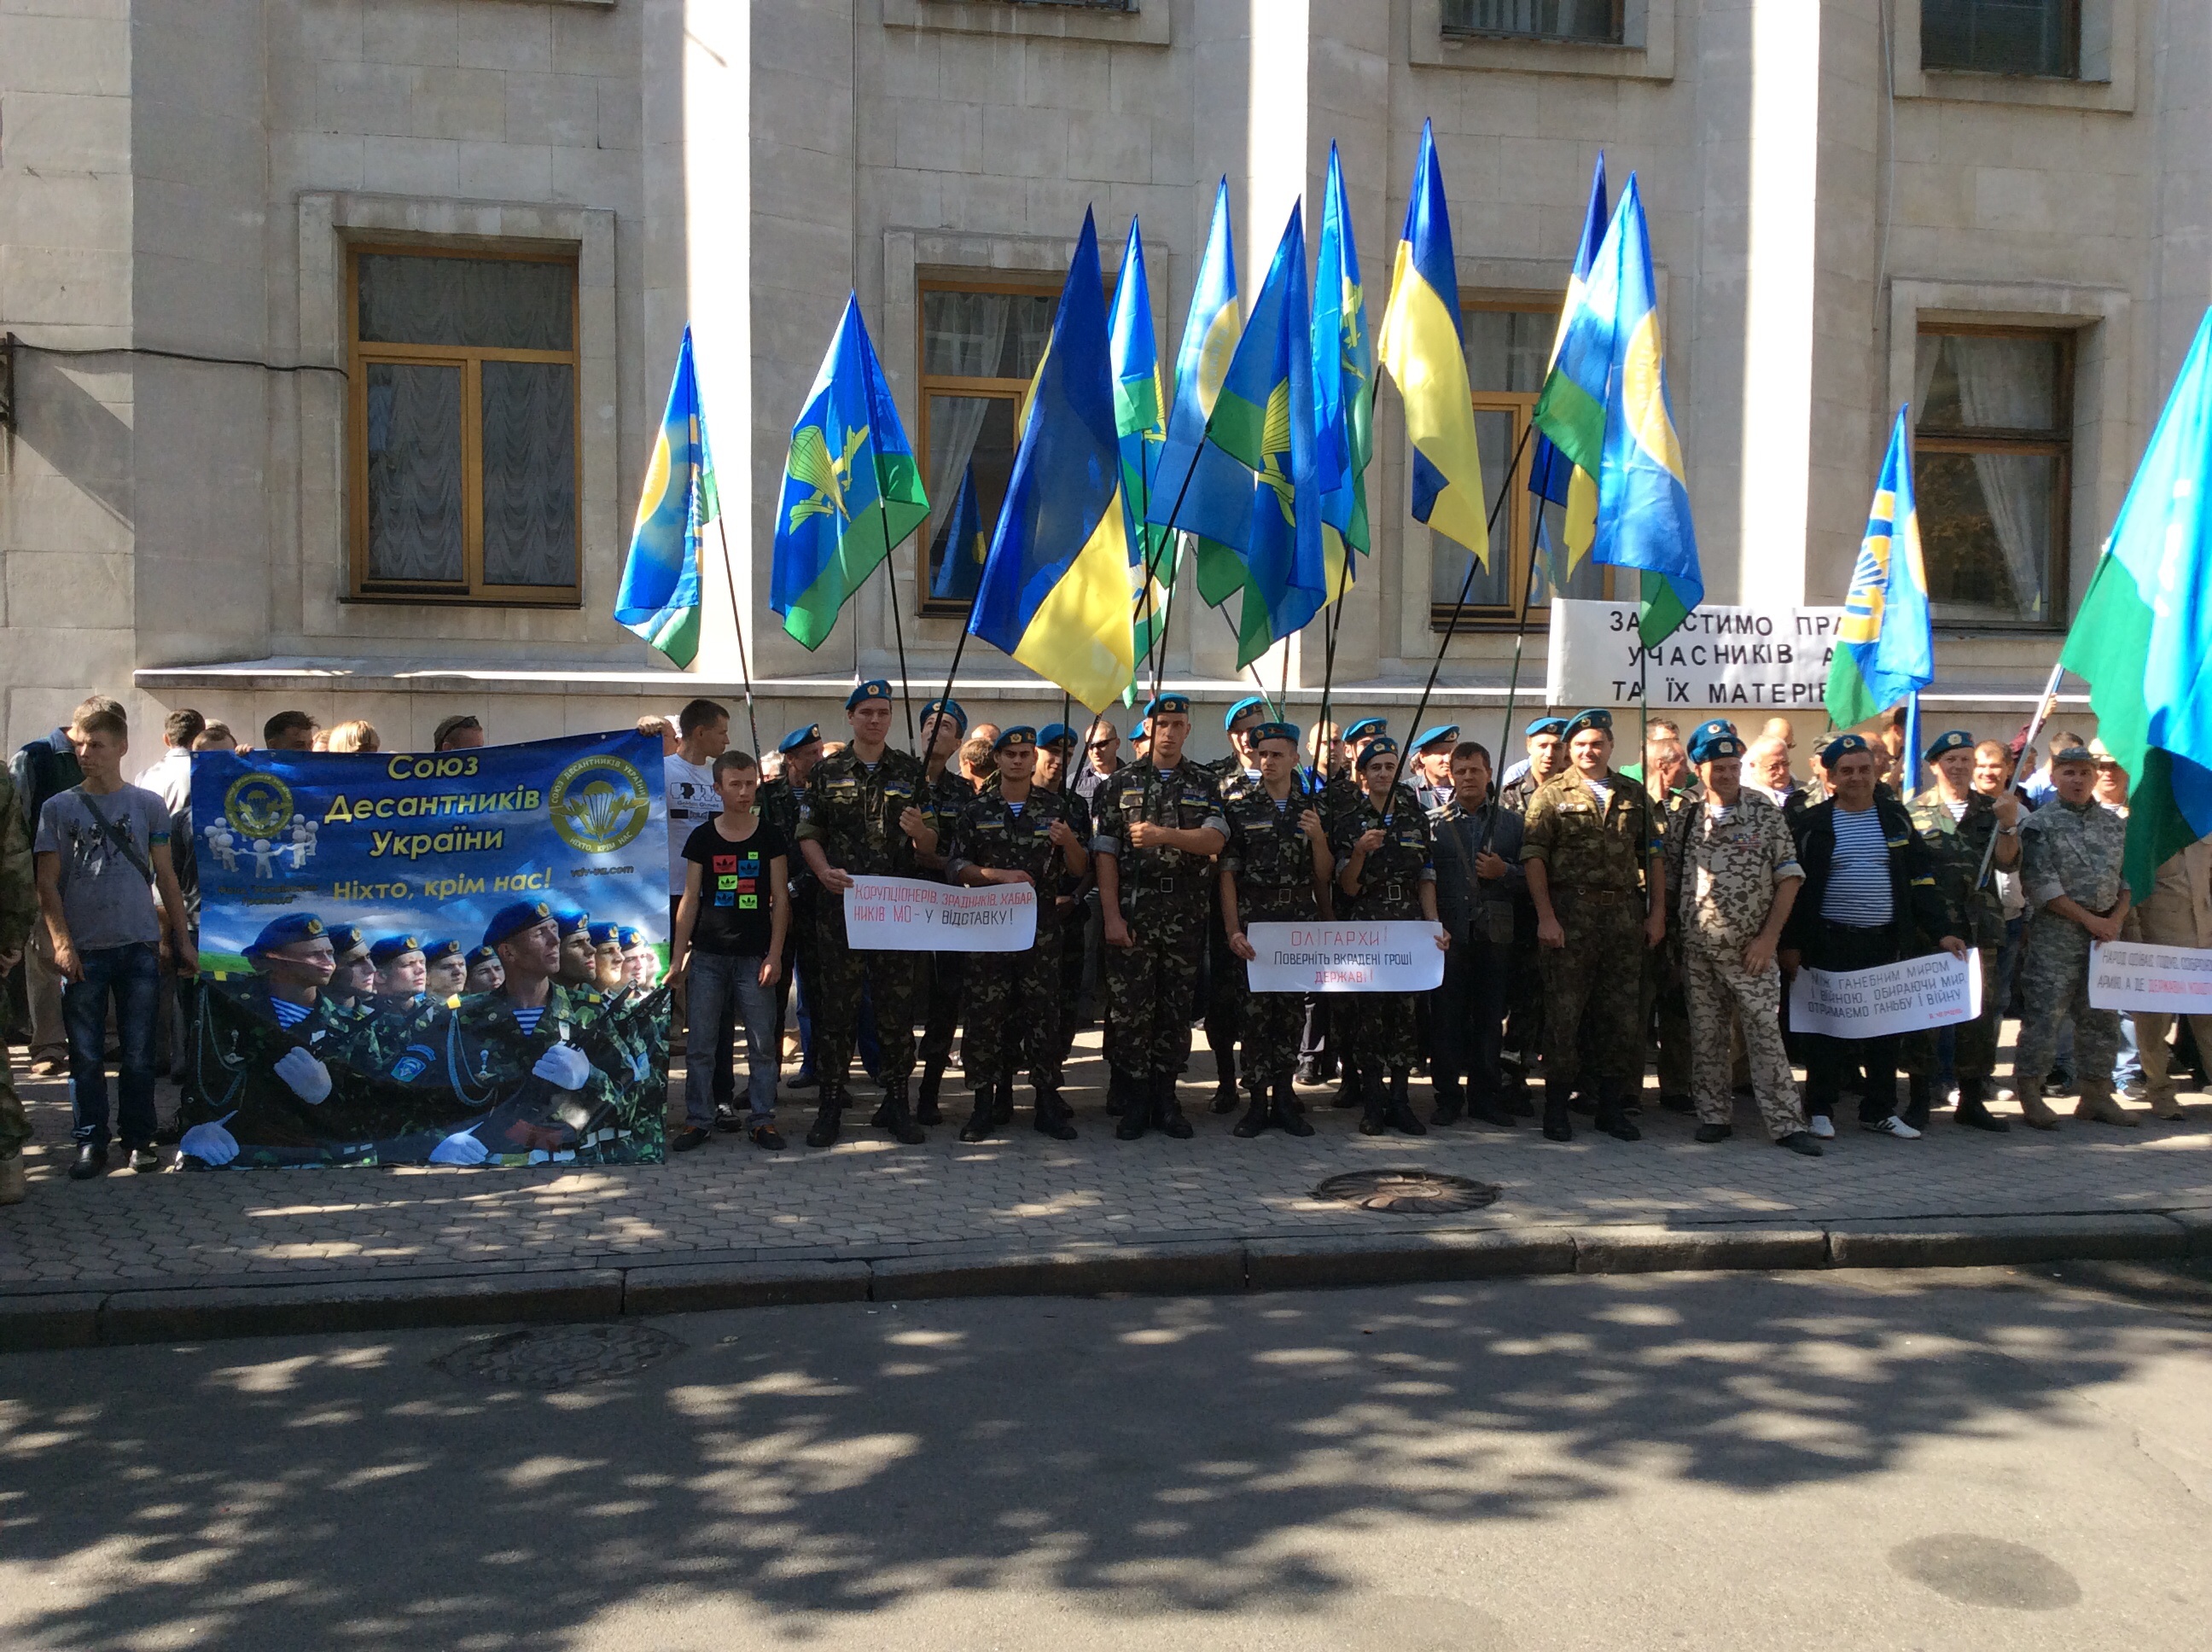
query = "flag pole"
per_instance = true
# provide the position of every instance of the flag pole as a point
(898, 634)
(1328, 630)
(2043, 709)
(738, 619)
(1513, 680)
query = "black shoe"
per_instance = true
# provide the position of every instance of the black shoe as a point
(1918, 1094)
(806, 1080)
(1583, 1103)
(1224, 1088)
(926, 1110)
(1288, 1116)
(1308, 1072)
(1518, 1104)
(1117, 1093)
(1002, 1104)
(1223, 1099)
(1975, 1114)
(1678, 1104)
(1800, 1141)
(1052, 1115)
(1451, 1106)
(91, 1161)
(1713, 1132)
(727, 1119)
(894, 1116)
(765, 1138)
(1398, 1110)
(684, 1141)
(1613, 1114)
(1491, 1109)
(978, 1127)
(1348, 1091)
(1558, 1127)
(827, 1121)
(1257, 1117)
(1167, 1112)
(1136, 1108)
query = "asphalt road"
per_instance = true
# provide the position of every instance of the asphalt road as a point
(2014, 1460)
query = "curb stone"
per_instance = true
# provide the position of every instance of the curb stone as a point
(1408, 1258)
(1197, 1269)
(702, 1287)
(1666, 1250)
(1997, 1241)
(184, 1314)
(50, 1319)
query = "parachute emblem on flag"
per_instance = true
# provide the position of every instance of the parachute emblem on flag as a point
(1869, 587)
(811, 464)
(1275, 447)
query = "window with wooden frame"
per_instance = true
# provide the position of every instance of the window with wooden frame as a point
(1507, 339)
(981, 340)
(2002, 37)
(1993, 459)
(462, 426)
(1598, 22)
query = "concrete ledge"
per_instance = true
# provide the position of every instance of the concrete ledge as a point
(1407, 1258)
(1995, 1240)
(189, 1314)
(50, 1319)
(1661, 1250)
(1141, 1270)
(694, 1288)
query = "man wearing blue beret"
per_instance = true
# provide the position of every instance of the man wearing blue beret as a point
(943, 729)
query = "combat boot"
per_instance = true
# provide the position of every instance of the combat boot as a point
(2164, 1103)
(1397, 1107)
(1613, 1111)
(1167, 1112)
(1052, 1114)
(2032, 1110)
(1258, 1116)
(1374, 1100)
(926, 1110)
(826, 1119)
(1558, 1127)
(2097, 1103)
(1136, 1108)
(1919, 1093)
(1118, 1091)
(1224, 1088)
(1451, 1102)
(1490, 1106)
(1348, 1093)
(1002, 1104)
(1289, 1117)
(894, 1116)
(978, 1127)
(1974, 1105)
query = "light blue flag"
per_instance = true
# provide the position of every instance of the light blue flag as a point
(1209, 339)
(658, 597)
(1343, 385)
(1885, 646)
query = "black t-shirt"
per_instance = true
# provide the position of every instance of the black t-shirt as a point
(734, 917)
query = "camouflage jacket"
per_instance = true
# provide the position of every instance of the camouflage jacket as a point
(2074, 852)
(950, 794)
(1588, 848)
(1955, 850)
(19, 895)
(1391, 877)
(854, 814)
(1184, 798)
(1270, 857)
(779, 803)
(992, 833)
(1722, 874)
(480, 1052)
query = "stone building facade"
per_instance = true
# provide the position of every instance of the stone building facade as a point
(344, 326)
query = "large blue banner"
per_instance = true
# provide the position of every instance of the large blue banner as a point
(445, 959)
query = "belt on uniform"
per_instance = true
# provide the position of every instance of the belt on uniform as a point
(1169, 885)
(1853, 929)
(1393, 891)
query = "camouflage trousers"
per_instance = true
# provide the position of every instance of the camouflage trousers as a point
(1720, 993)
(1152, 982)
(1014, 1010)
(1273, 1023)
(2151, 1028)
(1377, 1030)
(1666, 1017)
(15, 1123)
(1974, 1049)
(894, 984)
(2054, 987)
(1603, 935)
(1226, 994)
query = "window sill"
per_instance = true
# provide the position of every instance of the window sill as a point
(2109, 29)
(443, 599)
(1647, 54)
(1152, 24)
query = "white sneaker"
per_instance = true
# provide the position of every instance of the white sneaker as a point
(1893, 1126)
(1822, 1125)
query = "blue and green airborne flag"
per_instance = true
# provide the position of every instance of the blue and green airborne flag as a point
(1344, 388)
(2143, 636)
(851, 489)
(961, 567)
(1055, 590)
(1140, 423)
(1209, 339)
(1551, 475)
(1885, 649)
(659, 594)
(1253, 486)
(1605, 406)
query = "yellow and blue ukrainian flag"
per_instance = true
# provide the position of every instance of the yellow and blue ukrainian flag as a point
(1140, 423)
(1210, 329)
(1605, 406)
(1055, 589)
(1421, 346)
(961, 568)
(1344, 387)
(1552, 474)
(658, 597)
(850, 488)
(1885, 646)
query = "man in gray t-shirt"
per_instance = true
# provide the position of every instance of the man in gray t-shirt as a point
(102, 853)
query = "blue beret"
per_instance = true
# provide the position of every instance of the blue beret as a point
(1276, 732)
(1439, 732)
(1019, 734)
(1167, 704)
(1250, 702)
(951, 709)
(799, 737)
(606, 934)
(1597, 717)
(573, 921)
(1381, 746)
(438, 950)
(284, 930)
(1142, 732)
(1841, 747)
(509, 921)
(1053, 733)
(1545, 725)
(632, 937)
(1715, 740)
(1365, 726)
(347, 939)
(874, 689)
(1956, 740)
(482, 954)
(393, 946)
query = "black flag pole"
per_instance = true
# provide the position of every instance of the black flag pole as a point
(898, 633)
(1513, 681)
(1317, 771)
(737, 618)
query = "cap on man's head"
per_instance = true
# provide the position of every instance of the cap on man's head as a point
(1166, 705)
(874, 689)
(1437, 734)
(1366, 728)
(2018, 743)
(1275, 732)
(346, 940)
(437, 951)
(481, 955)
(1545, 725)
(1053, 733)
(606, 934)
(1021, 734)
(951, 708)
(287, 930)
(1717, 738)
(799, 737)
(393, 946)
(1250, 702)
(1955, 739)
(511, 920)
(1841, 747)
(1597, 717)
(2073, 754)
(573, 921)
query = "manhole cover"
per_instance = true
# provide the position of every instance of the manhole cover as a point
(559, 1355)
(1406, 1191)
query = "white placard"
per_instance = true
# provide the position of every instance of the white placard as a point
(905, 914)
(1392, 956)
(1732, 660)
(2131, 975)
(1936, 991)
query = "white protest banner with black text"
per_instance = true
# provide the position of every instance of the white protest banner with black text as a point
(1400, 956)
(905, 914)
(2131, 975)
(1738, 660)
(1936, 991)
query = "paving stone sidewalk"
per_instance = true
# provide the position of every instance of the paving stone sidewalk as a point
(871, 1198)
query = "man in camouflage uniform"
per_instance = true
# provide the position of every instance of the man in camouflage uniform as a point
(1734, 863)
(1547, 749)
(1016, 832)
(1159, 823)
(1384, 873)
(1958, 824)
(347, 1004)
(1321, 1047)
(944, 727)
(1591, 852)
(868, 810)
(1276, 865)
(779, 802)
(1066, 908)
(1479, 887)
(19, 906)
(1223, 984)
(2070, 855)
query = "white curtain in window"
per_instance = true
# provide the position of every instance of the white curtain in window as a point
(966, 335)
(529, 473)
(413, 471)
(2004, 386)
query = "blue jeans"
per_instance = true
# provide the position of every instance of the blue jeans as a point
(131, 975)
(721, 989)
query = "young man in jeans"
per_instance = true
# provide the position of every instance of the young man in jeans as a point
(727, 949)
(102, 849)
